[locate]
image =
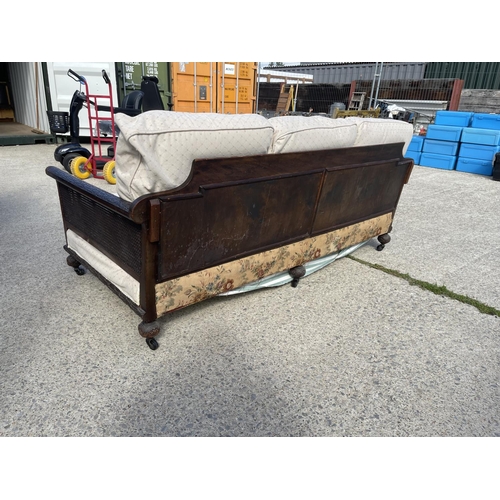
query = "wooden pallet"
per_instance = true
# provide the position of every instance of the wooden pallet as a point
(284, 100)
(366, 113)
(14, 134)
(357, 100)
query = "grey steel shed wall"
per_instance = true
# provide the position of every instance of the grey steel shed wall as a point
(346, 73)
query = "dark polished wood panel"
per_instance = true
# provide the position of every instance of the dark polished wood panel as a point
(228, 222)
(234, 207)
(355, 194)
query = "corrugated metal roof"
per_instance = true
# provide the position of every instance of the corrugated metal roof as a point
(316, 64)
(476, 75)
(348, 72)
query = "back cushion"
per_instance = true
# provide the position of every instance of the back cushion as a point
(307, 133)
(381, 131)
(156, 149)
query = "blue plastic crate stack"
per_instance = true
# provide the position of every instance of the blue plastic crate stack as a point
(459, 140)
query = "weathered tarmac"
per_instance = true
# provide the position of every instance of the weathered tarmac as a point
(352, 351)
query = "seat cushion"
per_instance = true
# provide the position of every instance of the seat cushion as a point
(156, 149)
(308, 133)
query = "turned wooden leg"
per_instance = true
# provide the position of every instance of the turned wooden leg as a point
(72, 262)
(296, 273)
(383, 240)
(149, 331)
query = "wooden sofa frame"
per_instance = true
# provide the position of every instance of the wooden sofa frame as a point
(230, 209)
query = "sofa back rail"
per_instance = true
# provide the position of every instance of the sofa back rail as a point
(222, 171)
(229, 220)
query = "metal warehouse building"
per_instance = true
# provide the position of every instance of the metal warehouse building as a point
(347, 72)
(476, 75)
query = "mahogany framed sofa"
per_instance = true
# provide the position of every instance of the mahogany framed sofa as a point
(209, 204)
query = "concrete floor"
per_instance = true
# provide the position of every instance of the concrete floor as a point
(352, 351)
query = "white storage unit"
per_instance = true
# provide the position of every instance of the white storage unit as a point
(28, 95)
(62, 87)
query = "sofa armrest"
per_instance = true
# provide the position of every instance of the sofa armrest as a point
(100, 196)
(102, 219)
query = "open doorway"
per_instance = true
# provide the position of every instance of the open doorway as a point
(23, 104)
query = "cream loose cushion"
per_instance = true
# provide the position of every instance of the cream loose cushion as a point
(308, 133)
(381, 131)
(156, 149)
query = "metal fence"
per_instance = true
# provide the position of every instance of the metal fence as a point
(319, 98)
(421, 87)
(407, 90)
(310, 97)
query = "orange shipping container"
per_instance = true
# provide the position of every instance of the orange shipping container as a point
(214, 87)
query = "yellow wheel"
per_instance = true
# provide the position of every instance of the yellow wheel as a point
(108, 171)
(78, 169)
